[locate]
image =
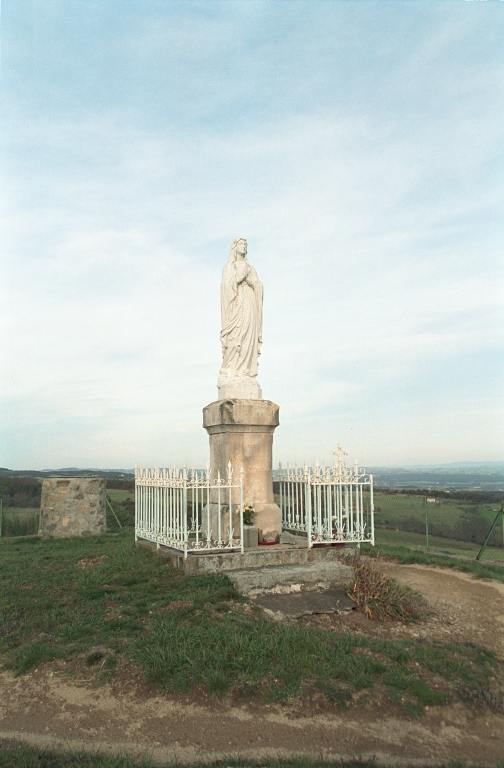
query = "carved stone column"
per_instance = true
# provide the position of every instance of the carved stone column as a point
(241, 432)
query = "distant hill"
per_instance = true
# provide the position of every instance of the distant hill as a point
(89, 470)
(492, 466)
(449, 477)
(68, 472)
(486, 476)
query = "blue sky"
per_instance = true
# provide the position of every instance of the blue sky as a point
(356, 145)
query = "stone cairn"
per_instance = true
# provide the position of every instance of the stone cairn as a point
(72, 506)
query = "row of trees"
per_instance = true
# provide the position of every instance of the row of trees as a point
(20, 491)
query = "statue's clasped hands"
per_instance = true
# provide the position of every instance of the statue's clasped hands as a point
(243, 274)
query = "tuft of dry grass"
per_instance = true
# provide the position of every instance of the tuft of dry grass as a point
(381, 598)
(481, 698)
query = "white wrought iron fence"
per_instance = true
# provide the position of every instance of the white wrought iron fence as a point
(188, 510)
(328, 505)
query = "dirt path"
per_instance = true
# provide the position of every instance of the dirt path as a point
(44, 708)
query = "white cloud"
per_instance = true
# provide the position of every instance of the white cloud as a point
(370, 220)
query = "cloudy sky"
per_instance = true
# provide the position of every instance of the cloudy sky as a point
(356, 145)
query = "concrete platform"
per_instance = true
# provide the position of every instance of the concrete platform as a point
(288, 579)
(293, 606)
(260, 557)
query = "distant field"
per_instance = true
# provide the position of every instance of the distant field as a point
(456, 526)
(116, 495)
(390, 507)
(436, 544)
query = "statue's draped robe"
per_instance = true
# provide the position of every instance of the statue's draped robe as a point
(241, 312)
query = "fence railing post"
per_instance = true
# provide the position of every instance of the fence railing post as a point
(242, 549)
(184, 508)
(308, 511)
(280, 488)
(136, 502)
(426, 523)
(156, 508)
(372, 509)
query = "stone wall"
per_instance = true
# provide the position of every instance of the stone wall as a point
(72, 506)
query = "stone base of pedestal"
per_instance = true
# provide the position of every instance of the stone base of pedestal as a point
(267, 524)
(257, 558)
(250, 536)
(268, 520)
(241, 432)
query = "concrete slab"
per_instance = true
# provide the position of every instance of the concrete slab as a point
(305, 603)
(285, 579)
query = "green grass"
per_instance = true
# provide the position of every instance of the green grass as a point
(20, 521)
(405, 555)
(184, 631)
(386, 537)
(454, 524)
(119, 495)
(392, 507)
(27, 757)
(120, 511)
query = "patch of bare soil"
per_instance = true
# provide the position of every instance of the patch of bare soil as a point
(91, 562)
(46, 708)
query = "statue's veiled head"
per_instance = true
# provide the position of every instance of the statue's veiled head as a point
(238, 248)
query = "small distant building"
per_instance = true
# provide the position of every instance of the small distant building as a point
(433, 501)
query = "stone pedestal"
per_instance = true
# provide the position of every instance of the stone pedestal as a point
(241, 432)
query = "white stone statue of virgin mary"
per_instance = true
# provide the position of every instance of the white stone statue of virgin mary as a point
(241, 334)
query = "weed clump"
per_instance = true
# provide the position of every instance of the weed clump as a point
(381, 598)
(94, 657)
(481, 698)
